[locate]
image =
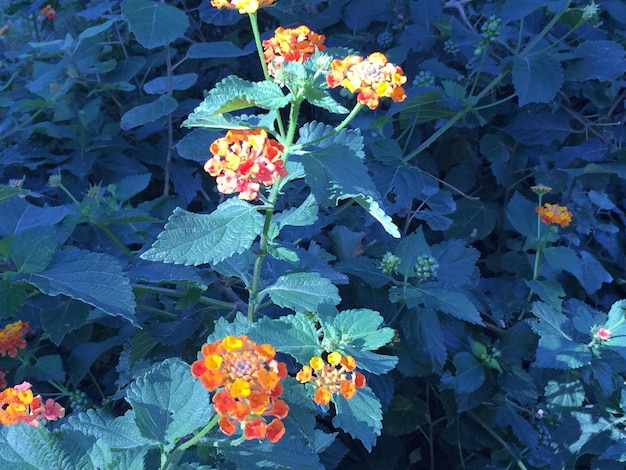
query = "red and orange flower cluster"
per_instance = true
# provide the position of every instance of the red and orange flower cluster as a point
(243, 160)
(372, 78)
(248, 378)
(554, 214)
(19, 405)
(244, 6)
(12, 338)
(48, 12)
(336, 374)
(291, 45)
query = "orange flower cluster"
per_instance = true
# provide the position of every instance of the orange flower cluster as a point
(19, 405)
(243, 160)
(244, 6)
(248, 378)
(554, 214)
(291, 45)
(372, 78)
(48, 12)
(12, 338)
(335, 375)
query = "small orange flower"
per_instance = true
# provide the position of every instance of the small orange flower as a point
(336, 374)
(48, 12)
(291, 45)
(12, 338)
(372, 78)
(243, 160)
(275, 430)
(554, 214)
(19, 405)
(247, 379)
(244, 6)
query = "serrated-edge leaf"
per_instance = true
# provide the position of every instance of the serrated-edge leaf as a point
(537, 78)
(196, 239)
(292, 334)
(119, 433)
(361, 416)
(301, 216)
(361, 327)
(154, 24)
(37, 446)
(302, 292)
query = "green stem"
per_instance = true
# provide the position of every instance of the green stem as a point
(114, 239)
(176, 293)
(191, 442)
(545, 30)
(23, 124)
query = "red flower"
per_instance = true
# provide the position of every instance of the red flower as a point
(12, 338)
(19, 405)
(48, 12)
(554, 214)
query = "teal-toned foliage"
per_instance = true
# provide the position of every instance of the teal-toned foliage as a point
(407, 236)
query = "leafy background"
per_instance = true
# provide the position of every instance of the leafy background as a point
(496, 367)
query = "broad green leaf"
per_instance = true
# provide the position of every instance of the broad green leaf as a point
(366, 360)
(322, 99)
(36, 448)
(196, 239)
(226, 121)
(423, 107)
(424, 340)
(145, 113)
(154, 23)
(564, 395)
(169, 402)
(13, 296)
(530, 127)
(520, 213)
(409, 249)
(223, 328)
(94, 278)
(557, 347)
(365, 268)
(118, 433)
(597, 60)
(457, 263)
(589, 272)
(301, 216)
(617, 313)
(405, 415)
(32, 249)
(292, 334)
(9, 192)
(537, 77)
(159, 85)
(302, 292)
(218, 49)
(46, 368)
(549, 291)
(469, 374)
(360, 328)
(361, 416)
(472, 218)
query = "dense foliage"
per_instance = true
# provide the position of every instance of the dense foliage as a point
(325, 234)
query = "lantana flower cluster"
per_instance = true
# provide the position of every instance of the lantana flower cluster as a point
(244, 6)
(373, 77)
(19, 405)
(49, 12)
(247, 380)
(244, 160)
(12, 338)
(554, 214)
(335, 375)
(291, 45)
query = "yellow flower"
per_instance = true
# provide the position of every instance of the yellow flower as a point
(291, 45)
(336, 374)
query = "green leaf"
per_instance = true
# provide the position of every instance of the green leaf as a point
(9, 192)
(154, 23)
(549, 291)
(94, 278)
(217, 49)
(469, 374)
(301, 216)
(599, 60)
(365, 268)
(564, 395)
(196, 239)
(537, 78)
(292, 334)
(589, 272)
(423, 343)
(32, 249)
(29, 447)
(409, 249)
(423, 108)
(520, 213)
(12, 297)
(302, 292)
(457, 263)
(234, 93)
(360, 328)
(472, 218)
(169, 402)
(361, 416)
(145, 113)
(405, 415)
(46, 368)
(557, 347)
(439, 297)
(159, 85)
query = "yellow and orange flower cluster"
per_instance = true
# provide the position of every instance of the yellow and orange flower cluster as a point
(243, 160)
(248, 378)
(372, 78)
(244, 6)
(336, 374)
(48, 12)
(554, 214)
(291, 45)
(12, 338)
(19, 405)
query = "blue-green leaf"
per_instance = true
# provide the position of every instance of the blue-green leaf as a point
(218, 49)
(537, 77)
(33, 448)
(360, 329)
(160, 85)
(445, 299)
(196, 239)
(302, 292)
(32, 249)
(291, 334)
(154, 23)
(169, 402)
(361, 416)
(469, 374)
(600, 60)
(520, 213)
(94, 278)
(145, 113)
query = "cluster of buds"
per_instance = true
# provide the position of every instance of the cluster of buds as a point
(335, 375)
(12, 338)
(247, 380)
(554, 214)
(389, 263)
(426, 268)
(243, 160)
(372, 78)
(489, 32)
(291, 45)
(19, 405)
(48, 12)
(424, 79)
(244, 6)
